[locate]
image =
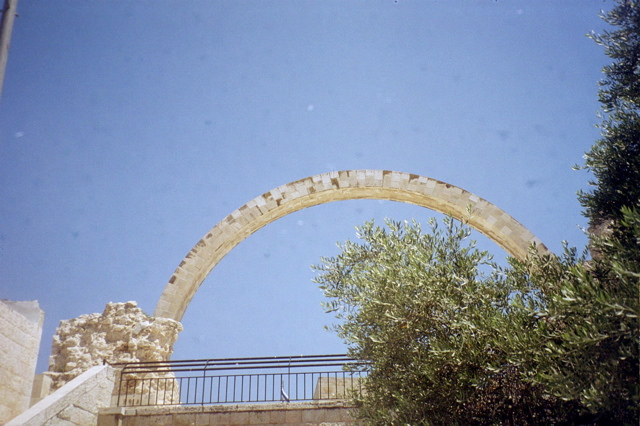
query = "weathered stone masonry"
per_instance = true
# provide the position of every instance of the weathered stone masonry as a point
(20, 332)
(346, 185)
(122, 333)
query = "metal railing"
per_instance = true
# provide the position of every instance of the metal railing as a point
(238, 380)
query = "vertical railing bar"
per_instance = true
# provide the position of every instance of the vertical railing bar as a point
(242, 388)
(126, 395)
(204, 379)
(289, 379)
(122, 373)
(142, 393)
(257, 387)
(233, 394)
(165, 384)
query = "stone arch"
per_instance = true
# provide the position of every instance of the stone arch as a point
(514, 238)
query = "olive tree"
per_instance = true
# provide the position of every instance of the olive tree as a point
(437, 325)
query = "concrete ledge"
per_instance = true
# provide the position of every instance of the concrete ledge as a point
(76, 403)
(294, 413)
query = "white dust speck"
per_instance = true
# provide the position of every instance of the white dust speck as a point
(310, 107)
(301, 223)
(19, 134)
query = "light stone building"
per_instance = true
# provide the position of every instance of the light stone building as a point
(20, 333)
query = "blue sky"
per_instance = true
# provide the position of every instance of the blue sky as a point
(128, 129)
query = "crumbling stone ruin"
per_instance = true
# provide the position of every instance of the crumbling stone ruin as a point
(122, 333)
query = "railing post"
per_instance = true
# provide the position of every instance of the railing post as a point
(204, 380)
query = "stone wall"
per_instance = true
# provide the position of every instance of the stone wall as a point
(20, 333)
(334, 413)
(122, 333)
(76, 403)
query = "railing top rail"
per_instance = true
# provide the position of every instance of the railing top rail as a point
(255, 363)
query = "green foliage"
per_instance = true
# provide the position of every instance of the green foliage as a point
(615, 158)
(588, 325)
(439, 326)
(447, 337)
(592, 337)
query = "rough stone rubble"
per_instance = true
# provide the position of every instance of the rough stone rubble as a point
(122, 333)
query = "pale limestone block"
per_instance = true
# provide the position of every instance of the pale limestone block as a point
(239, 418)
(215, 233)
(293, 416)
(166, 420)
(190, 267)
(264, 209)
(301, 189)
(5, 411)
(506, 230)
(271, 205)
(77, 415)
(258, 417)
(252, 213)
(277, 417)
(58, 422)
(276, 194)
(187, 419)
(219, 418)
(20, 332)
(241, 221)
(203, 419)
(314, 416)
